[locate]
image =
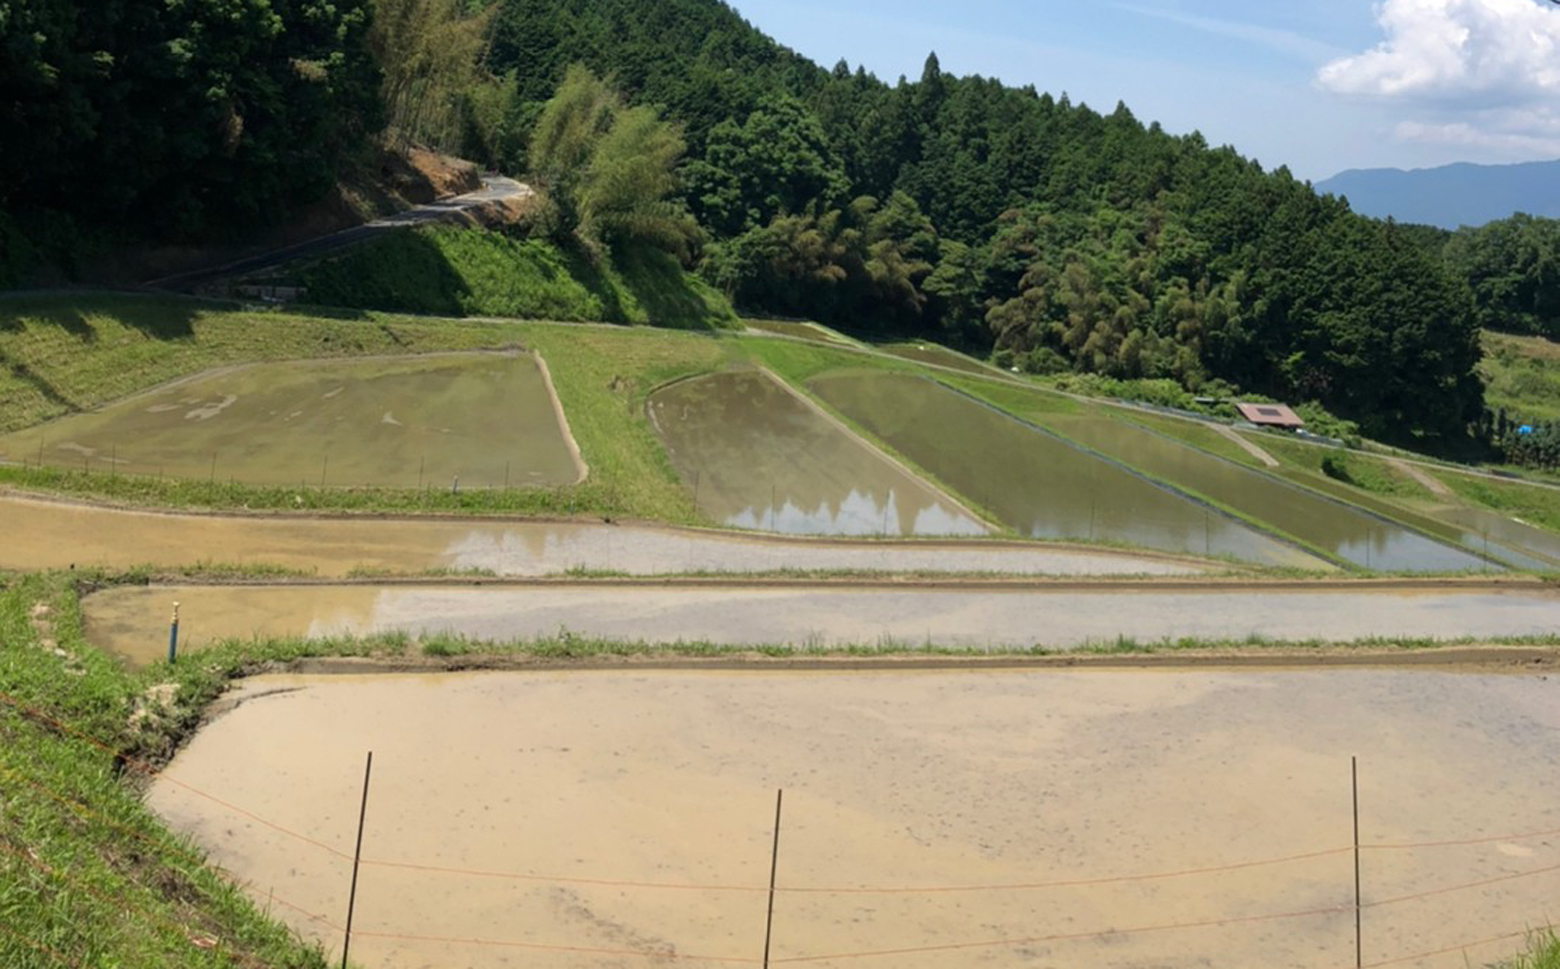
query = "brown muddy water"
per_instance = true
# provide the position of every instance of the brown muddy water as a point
(930, 820)
(132, 621)
(57, 535)
(1034, 481)
(489, 420)
(756, 455)
(1343, 531)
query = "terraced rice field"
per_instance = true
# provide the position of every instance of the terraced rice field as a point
(1035, 482)
(756, 455)
(479, 420)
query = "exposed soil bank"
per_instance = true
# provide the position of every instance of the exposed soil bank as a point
(43, 534)
(132, 621)
(928, 817)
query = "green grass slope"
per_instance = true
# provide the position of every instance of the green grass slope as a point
(87, 876)
(1522, 376)
(476, 272)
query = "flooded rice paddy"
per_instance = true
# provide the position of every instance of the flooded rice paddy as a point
(931, 820)
(798, 329)
(489, 420)
(1529, 547)
(938, 356)
(758, 456)
(132, 621)
(1342, 531)
(1035, 482)
(57, 535)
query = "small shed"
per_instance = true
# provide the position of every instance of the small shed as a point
(1270, 415)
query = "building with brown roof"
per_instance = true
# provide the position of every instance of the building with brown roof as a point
(1271, 415)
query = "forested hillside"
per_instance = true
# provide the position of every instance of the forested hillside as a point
(987, 216)
(999, 217)
(163, 120)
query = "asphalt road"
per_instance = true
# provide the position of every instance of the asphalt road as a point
(454, 209)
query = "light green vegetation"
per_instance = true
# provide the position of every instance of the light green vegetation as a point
(1544, 953)
(61, 359)
(475, 272)
(87, 876)
(1534, 504)
(65, 354)
(1521, 376)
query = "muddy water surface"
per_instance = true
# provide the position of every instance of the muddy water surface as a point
(132, 621)
(45, 535)
(758, 456)
(940, 356)
(1035, 482)
(587, 820)
(403, 422)
(1338, 529)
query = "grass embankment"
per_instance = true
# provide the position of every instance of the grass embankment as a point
(477, 272)
(87, 876)
(1521, 376)
(62, 355)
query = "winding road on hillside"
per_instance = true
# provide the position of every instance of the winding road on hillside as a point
(495, 189)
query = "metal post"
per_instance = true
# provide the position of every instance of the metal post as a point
(213, 477)
(774, 867)
(173, 636)
(324, 466)
(1359, 946)
(421, 464)
(357, 858)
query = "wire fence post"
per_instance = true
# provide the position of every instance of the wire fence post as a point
(774, 868)
(1359, 944)
(357, 859)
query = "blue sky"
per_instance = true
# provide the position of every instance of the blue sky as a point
(1320, 86)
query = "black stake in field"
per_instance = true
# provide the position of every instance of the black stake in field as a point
(774, 867)
(357, 859)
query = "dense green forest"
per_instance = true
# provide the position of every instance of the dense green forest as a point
(1002, 218)
(995, 218)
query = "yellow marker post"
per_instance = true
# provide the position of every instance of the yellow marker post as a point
(173, 636)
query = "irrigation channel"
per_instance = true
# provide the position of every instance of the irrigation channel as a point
(931, 819)
(131, 620)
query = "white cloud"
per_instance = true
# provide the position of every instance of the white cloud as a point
(1478, 72)
(1287, 42)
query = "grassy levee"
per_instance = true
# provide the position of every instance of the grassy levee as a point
(62, 355)
(87, 876)
(1534, 504)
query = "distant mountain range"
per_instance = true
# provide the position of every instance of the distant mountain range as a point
(1452, 195)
